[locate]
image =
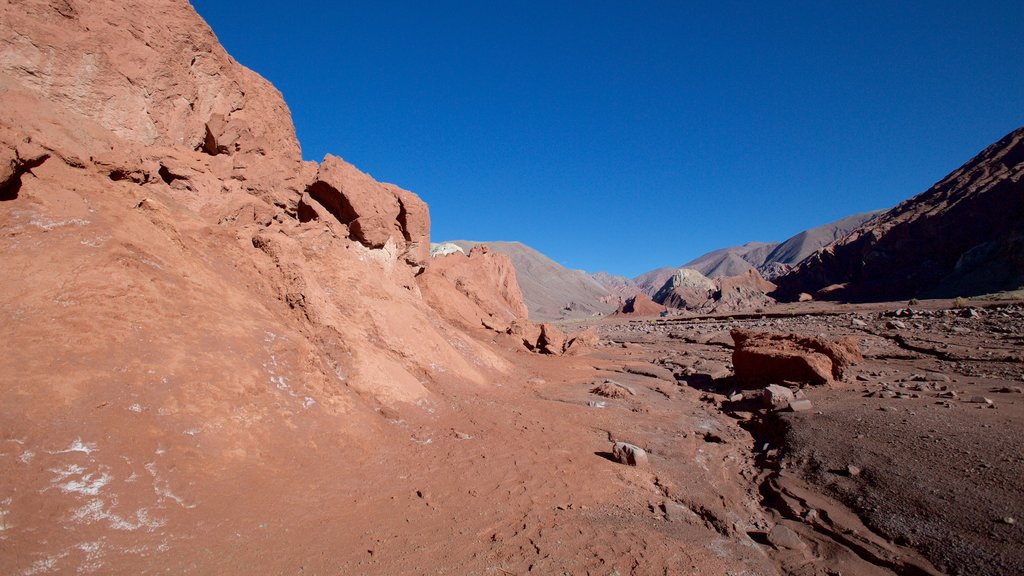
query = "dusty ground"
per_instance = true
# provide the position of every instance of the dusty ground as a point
(516, 477)
(922, 444)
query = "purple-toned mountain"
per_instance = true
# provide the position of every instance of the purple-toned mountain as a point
(963, 236)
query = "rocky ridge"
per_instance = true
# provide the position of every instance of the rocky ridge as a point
(909, 251)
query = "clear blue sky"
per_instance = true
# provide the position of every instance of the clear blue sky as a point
(624, 136)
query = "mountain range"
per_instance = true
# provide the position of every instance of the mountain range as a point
(963, 236)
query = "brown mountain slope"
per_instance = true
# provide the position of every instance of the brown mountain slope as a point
(963, 236)
(552, 291)
(732, 261)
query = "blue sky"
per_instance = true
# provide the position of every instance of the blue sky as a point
(623, 136)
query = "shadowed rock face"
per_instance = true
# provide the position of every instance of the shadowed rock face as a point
(963, 236)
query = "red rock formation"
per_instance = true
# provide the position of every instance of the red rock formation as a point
(639, 305)
(764, 358)
(475, 290)
(187, 305)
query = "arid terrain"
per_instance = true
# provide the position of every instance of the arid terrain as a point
(224, 359)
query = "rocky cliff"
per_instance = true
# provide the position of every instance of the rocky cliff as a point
(189, 308)
(963, 236)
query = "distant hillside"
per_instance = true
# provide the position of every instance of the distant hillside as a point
(770, 259)
(963, 236)
(732, 261)
(551, 291)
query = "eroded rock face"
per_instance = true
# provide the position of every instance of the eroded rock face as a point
(690, 290)
(476, 290)
(177, 274)
(963, 236)
(763, 358)
(686, 289)
(373, 213)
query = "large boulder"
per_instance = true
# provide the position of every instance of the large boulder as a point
(763, 357)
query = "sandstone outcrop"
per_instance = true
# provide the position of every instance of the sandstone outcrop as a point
(765, 358)
(375, 214)
(552, 291)
(182, 288)
(476, 290)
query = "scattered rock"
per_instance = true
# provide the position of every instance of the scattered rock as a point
(612, 389)
(629, 454)
(777, 397)
(852, 470)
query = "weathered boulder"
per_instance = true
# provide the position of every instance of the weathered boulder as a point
(777, 397)
(581, 341)
(762, 357)
(629, 454)
(551, 340)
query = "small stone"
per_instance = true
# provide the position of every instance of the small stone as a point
(979, 400)
(858, 323)
(800, 405)
(776, 397)
(675, 512)
(1009, 520)
(735, 396)
(629, 454)
(852, 470)
(895, 325)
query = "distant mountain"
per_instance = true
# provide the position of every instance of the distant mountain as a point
(770, 259)
(551, 291)
(963, 236)
(650, 282)
(796, 249)
(732, 261)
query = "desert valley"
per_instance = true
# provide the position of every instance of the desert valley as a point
(224, 359)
